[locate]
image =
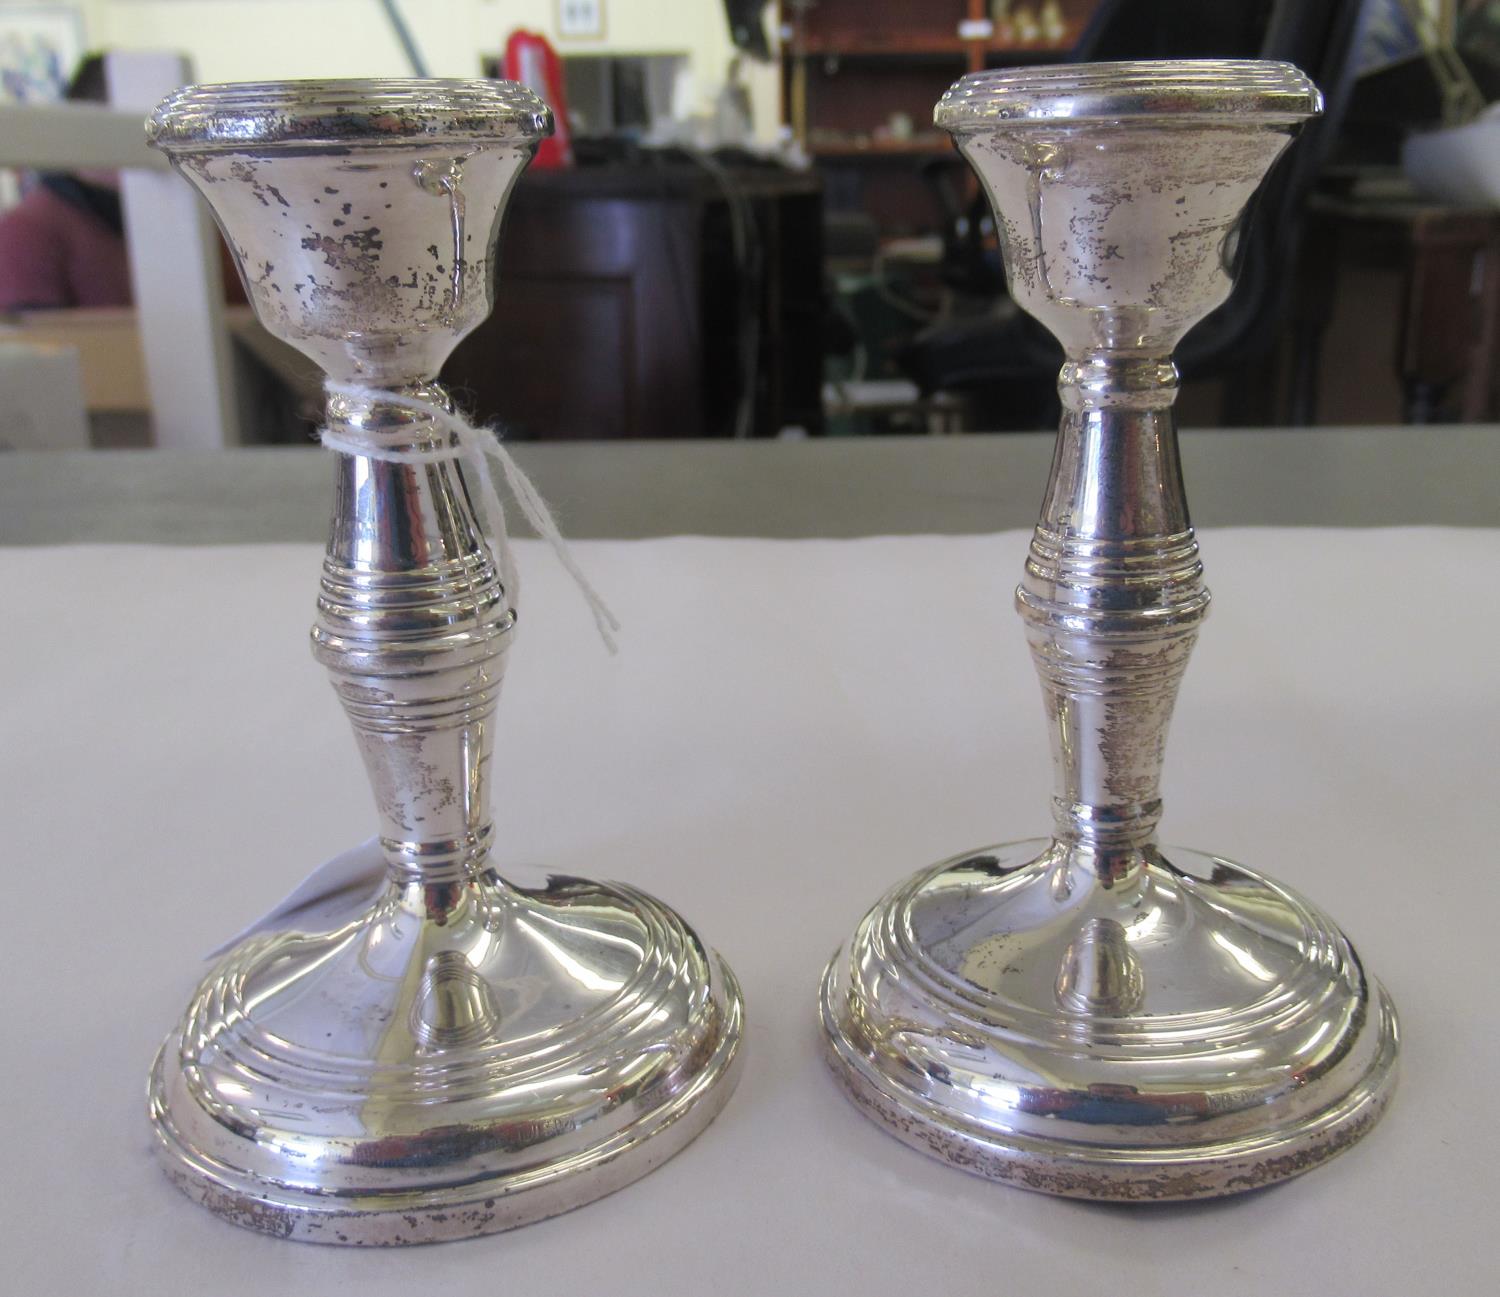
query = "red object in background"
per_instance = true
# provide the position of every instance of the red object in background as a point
(531, 60)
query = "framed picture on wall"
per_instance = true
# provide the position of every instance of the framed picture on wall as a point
(40, 45)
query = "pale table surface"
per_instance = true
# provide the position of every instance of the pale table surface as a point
(849, 486)
(791, 727)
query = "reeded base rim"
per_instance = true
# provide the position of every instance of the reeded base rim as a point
(891, 1053)
(1123, 1173)
(488, 1206)
(416, 1075)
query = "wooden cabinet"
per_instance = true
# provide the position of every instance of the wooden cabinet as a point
(621, 307)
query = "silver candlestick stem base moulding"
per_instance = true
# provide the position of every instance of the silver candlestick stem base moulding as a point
(1092, 1015)
(453, 1055)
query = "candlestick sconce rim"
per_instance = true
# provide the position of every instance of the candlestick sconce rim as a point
(324, 115)
(1226, 91)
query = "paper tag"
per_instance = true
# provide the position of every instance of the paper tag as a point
(975, 29)
(336, 889)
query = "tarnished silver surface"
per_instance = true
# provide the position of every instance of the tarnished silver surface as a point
(454, 1055)
(1092, 1016)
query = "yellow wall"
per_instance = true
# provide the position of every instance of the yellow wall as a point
(250, 40)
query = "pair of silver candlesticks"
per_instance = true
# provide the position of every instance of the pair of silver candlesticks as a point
(1086, 1015)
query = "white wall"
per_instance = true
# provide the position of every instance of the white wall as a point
(252, 40)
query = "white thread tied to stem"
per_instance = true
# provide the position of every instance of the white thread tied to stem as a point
(478, 445)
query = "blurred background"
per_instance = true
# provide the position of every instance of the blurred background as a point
(747, 225)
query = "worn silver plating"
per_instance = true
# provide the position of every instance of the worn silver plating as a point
(1090, 1015)
(459, 1054)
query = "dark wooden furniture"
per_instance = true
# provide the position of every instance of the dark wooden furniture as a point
(1448, 332)
(1451, 325)
(625, 307)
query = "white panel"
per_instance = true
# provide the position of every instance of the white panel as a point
(68, 136)
(175, 271)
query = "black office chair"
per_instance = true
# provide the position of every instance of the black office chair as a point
(1006, 364)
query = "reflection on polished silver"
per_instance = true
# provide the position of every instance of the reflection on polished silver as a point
(457, 1054)
(1091, 1015)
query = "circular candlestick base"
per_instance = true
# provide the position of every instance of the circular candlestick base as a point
(1189, 1030)
(452, 1060)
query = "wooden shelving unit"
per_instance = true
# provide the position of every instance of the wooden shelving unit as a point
(925, 45)
(861, 78)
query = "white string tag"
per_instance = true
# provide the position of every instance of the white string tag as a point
(339, 889)
(478, 445)
(336, 890)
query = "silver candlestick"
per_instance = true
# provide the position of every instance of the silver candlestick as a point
(1092, 1016)
(454, 1055)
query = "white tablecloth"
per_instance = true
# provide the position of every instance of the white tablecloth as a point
(791, 727)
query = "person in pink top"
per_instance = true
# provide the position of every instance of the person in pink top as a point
(63, 244)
